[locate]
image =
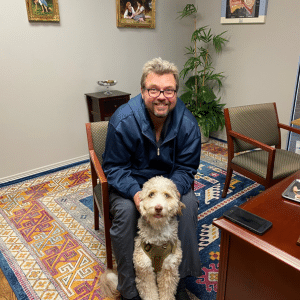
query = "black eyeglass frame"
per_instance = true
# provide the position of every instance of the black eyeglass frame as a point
(161, 91)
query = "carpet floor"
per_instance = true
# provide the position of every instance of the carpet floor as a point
(50, 250)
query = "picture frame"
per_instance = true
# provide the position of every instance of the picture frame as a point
(292, 192)
(42, 10)
(128, 13)
(243, 11)
(293, 140)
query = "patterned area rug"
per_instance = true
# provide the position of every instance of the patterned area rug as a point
(49, 249)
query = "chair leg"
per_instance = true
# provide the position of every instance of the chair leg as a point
(227, 182)
(94, 183)
(96, 215)
(109, 261)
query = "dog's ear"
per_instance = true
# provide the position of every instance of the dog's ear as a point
(180, 207)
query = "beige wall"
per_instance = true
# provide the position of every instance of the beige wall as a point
(260, 61)
(47, 68)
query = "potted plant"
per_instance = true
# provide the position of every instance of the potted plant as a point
(200, 87)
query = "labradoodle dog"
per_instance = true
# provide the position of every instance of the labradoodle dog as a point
(157, 252)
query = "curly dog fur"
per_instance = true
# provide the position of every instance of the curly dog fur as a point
(157, 226)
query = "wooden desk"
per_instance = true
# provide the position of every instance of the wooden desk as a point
(101, 107)
(263, 267)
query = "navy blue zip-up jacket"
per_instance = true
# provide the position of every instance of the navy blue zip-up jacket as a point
(132, 156)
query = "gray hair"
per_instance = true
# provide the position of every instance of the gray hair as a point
(160, 67)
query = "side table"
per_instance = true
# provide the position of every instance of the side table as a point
(101, 107)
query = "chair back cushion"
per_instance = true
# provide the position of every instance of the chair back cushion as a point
(99, 132)
(258, 121)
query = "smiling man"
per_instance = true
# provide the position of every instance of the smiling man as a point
(153, 134)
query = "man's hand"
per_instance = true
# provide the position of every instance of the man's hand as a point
(137, 200)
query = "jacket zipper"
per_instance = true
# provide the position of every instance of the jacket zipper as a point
(158, 148)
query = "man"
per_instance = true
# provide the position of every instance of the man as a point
(153, 134)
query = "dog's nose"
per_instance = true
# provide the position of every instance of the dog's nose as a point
(158, 208)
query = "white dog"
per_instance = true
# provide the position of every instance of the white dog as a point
(157, 252)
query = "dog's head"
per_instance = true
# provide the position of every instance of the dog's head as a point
(160, 200)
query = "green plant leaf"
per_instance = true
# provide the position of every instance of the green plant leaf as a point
(189, 10)
(219, 42)
(201, 34)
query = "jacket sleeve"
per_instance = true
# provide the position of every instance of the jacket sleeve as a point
(187, 158)
(117, 163)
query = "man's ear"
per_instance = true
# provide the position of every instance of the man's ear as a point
(142, 90)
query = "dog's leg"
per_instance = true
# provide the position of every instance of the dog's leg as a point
(145, 276)
(167, 281)
(168, 278)
(146, 284)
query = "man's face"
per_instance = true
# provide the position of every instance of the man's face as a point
(160, 106)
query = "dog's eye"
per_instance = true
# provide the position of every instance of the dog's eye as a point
(151, 194)
(167, 195)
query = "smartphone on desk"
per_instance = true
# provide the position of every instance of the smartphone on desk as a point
(248, 220)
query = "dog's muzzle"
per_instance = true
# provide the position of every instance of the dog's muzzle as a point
(158, 254)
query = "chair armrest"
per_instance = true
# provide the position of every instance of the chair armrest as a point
(97, 166)
(289, 128)
(251, 141)
(104, 185)
(271, 150)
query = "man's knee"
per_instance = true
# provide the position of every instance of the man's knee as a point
(127, 208)
(190, 201)
(123, 210)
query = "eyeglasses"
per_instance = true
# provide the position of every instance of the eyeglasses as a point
(154, 93)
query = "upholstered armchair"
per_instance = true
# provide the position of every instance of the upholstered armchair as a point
(254, 145)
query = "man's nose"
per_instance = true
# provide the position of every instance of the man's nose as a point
(161, 95)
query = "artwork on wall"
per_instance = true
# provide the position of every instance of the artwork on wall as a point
(42, 10)
(293, 141)
(243, 11)
(136, 14)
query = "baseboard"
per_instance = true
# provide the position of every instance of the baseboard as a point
(219, 135)
(218, 139)
(42, 170)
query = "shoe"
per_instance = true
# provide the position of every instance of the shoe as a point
(181, 293)
(134, 298)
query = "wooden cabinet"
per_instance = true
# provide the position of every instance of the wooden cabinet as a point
(101, 106)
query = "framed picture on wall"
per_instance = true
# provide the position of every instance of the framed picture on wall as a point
(42, 10)
(136, 14)
(243, 11)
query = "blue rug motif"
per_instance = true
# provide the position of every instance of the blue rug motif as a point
(88, 202)
(209, 183)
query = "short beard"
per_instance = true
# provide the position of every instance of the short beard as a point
(161, 116)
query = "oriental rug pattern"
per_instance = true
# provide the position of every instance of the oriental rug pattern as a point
(50, 250)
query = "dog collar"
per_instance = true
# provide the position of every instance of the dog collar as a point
(157, 254)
